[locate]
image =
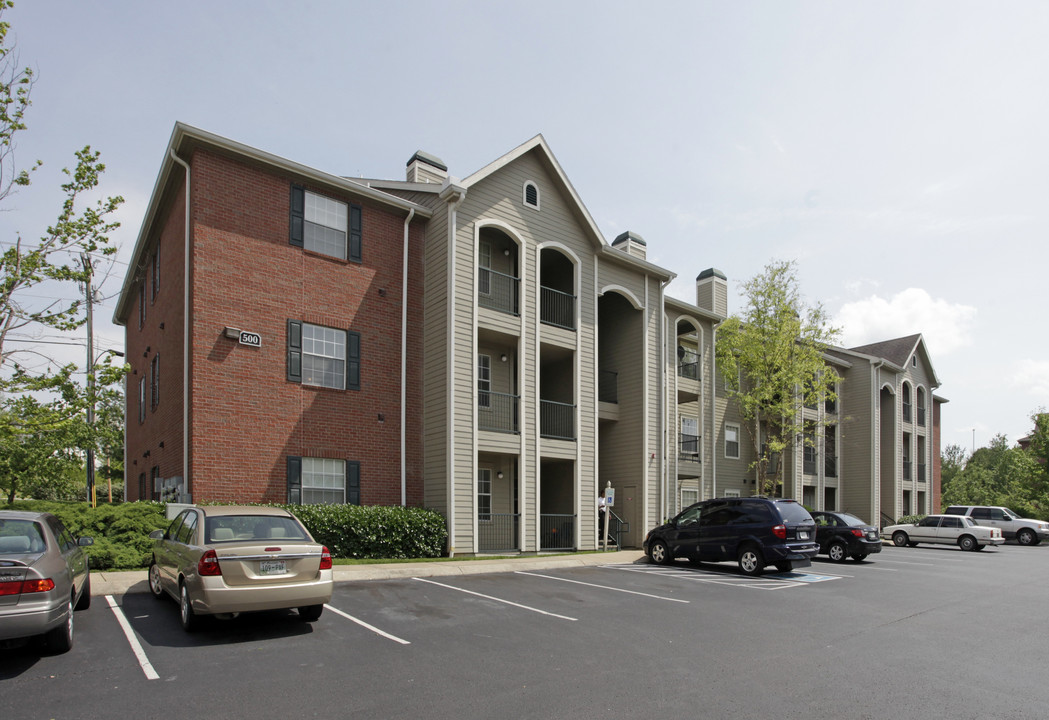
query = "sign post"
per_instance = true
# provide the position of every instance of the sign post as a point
(607, 501)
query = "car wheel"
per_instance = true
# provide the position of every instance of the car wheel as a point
(659, 553)
(1026, 537)
(156, 588)
(859, 557)
(837, 552)
(60, 639)
(899, 538)
(751, 561)
(84, 602)
(967, 543)
(311, 612)
(186, 616)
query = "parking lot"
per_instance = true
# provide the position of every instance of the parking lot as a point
(911, 632)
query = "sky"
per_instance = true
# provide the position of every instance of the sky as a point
(896, 151)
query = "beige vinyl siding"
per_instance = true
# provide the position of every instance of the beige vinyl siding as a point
(856, 470)
(435, 367)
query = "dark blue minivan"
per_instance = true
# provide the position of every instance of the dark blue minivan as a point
(754, 532)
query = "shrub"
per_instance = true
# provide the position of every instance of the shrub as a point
(374, 532)
(121, 532)
(909, 519)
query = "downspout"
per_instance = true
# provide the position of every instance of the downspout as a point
(185, 334)
(451, 189)
(876, 509)
(404, 358)
(663, 439)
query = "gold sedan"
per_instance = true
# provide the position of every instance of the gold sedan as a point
(225, 560)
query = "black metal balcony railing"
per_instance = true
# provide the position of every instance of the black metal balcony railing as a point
(921, 416)
(906, 469)
(498, 291)
(608, 386)
(688, 447)
(497, 411)
(809, 465)
(830, 407)
(556, 308)
(556, 532)
(830, 466)
(497, 532)
(688, 365)
(921, 472)
(906, 412)
(556, 420)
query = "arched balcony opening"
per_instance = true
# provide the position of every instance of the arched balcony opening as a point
(498, 273)
(556, 289)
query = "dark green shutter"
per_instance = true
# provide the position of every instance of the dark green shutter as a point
(294, 480)
(294, 351)
(298, 213)
(353, 482)
(355, 233)
(353, 360)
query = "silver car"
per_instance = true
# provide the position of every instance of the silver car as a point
(224, 560)
(945, 529)
(44, 576)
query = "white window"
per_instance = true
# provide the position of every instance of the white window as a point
(484, 381)
(484, 493)
(323, 481)
(732, 441)
(325, 227)
(689, 496)
(323, 356)
(485, 273)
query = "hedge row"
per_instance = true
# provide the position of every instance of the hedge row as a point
(374, 532)
(121, 532)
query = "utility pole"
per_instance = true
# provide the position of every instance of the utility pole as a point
(90, 380)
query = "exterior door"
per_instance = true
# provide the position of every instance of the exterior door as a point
(628, 507)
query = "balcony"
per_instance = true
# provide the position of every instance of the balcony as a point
(556, 308)
(830, 466)
(906, 469)
(921, 416)
(556, 420)
(809, 465)
(921, 472)
(688, 365)
(688, 448)
(497, 532)
(907, 412)
(498, 291)
(497, 412)
(556, 532)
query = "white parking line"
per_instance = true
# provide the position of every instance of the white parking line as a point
(363, 624)
(136, 646)
(603, 587)
(489, 597)
(713, 579)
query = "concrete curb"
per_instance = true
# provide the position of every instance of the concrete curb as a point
(134, 581)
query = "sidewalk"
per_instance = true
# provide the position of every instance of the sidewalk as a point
(134, 581)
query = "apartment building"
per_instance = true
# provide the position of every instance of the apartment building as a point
(474, 346)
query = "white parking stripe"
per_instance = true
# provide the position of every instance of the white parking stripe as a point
(711, 578)
(603, 587)
(489, 597)
(363, 624)
(136, 646)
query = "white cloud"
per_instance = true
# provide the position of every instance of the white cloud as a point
(946, 326)
(1032, 376)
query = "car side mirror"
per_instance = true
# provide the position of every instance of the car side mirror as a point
(85, 541)
(156, 535)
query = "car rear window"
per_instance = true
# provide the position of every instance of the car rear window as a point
(20, 536)
(247, 528)
(955, 510)
(793, 511)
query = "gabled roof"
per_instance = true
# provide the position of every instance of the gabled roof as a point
(898, 351)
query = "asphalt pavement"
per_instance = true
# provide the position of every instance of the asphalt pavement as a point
(104, 582)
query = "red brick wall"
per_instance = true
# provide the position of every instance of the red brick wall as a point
(246, 418)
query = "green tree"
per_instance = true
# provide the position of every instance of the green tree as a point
(39, 402)
(772, 359)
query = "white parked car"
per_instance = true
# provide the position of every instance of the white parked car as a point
(945, 529)
(1025, 530)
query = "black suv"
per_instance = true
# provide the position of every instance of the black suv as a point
(754, 532)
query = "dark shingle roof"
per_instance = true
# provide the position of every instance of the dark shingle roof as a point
(897, 351)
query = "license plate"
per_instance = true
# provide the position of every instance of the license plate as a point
(803, 534)
(872, 536)
(272, 567)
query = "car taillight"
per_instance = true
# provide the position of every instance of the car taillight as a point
(325, 559)
(857, 532)
(780, 531)
(208, 565)
(19, 587)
